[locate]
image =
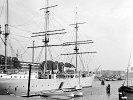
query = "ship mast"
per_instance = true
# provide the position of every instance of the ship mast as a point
(129, 61)
(76, 40)
(46, 33)
(6, 33)
(33, 52)
(46, 36)
(76, 43)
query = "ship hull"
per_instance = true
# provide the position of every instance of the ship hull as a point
(20, 86)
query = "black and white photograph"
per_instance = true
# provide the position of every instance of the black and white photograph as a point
(66, 49)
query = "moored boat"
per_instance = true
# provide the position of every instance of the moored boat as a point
(13, 84)
(126, 91)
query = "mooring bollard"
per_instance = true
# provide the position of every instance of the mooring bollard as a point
(102, 82)
(108, 89)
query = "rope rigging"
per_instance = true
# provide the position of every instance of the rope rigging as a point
(12, 50)
(71, 59)
(22, 48)
(29, 32)
(50, 53)
(18, 27)
(52, 17)
(82, 61)
(2, 7)
(40, 54)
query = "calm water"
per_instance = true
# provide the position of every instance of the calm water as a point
(96, 92)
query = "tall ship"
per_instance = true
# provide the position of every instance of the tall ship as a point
(33, 79)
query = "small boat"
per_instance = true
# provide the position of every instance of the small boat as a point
(60, 97)
(78, 94)
(57, 93)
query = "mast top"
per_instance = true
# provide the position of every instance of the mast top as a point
(77, 23)
(48, 7)
(130, 54)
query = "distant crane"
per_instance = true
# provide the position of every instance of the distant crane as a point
(98, 68)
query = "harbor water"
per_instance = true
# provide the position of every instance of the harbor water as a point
(96, 92)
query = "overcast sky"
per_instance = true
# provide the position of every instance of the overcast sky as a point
(109, 23)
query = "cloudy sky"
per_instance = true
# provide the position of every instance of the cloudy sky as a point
(109, 23)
